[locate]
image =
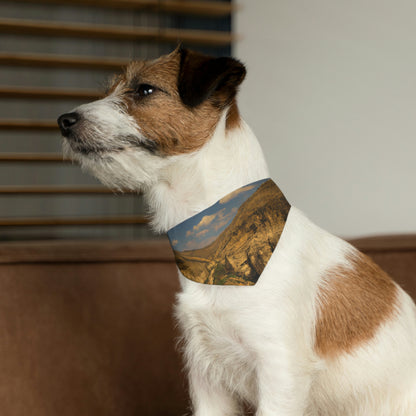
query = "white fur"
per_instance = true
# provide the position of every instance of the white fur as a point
(256, 343)
(108, 121)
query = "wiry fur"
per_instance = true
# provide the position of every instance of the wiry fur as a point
(255, 344)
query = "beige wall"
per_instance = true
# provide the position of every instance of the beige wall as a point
(331, 95)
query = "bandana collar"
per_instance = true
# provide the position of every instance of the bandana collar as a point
(231, 242)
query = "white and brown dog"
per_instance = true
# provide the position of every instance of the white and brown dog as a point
(324, 331)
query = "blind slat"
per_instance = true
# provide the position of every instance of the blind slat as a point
(61, 29)
(116, 220)
(59, 190)
(57, 61)
(202, 8)
(28, 125)
(48, 93)
(32, 157)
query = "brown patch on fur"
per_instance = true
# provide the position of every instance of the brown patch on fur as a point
(354, 302)
(233, 116)
(162, 117)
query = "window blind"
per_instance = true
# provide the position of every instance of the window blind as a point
(55, 55)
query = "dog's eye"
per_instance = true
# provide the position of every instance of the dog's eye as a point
(143, 90)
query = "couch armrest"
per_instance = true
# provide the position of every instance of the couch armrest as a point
(87, 329)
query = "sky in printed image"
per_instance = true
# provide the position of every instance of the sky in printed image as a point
(204, 228)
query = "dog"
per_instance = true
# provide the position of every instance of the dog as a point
(323, 331)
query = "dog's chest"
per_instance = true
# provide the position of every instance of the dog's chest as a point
(215, 343)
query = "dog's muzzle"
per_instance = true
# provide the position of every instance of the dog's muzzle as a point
(67, 123)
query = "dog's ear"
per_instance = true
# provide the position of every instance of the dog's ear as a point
(202, 77)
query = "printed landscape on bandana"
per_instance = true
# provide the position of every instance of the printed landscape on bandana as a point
(231, 242)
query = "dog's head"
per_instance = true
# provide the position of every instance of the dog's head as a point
(154, 111)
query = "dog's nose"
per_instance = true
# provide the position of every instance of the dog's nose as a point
(67, 121)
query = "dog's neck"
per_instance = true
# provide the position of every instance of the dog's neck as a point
(191, 183)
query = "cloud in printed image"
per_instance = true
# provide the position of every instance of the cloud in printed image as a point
(203, 229)
(236, 193)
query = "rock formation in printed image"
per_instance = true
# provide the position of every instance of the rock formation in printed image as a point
(238, 255)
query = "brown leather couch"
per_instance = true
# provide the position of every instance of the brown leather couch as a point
(86, 328)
